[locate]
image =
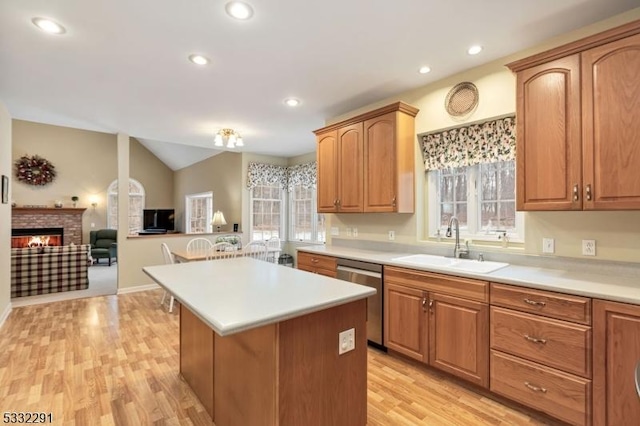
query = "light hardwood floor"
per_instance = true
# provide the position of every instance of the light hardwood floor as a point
(114, 360)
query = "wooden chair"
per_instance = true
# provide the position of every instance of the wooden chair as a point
(256, 249)
(169, 260)
(199, 246)
(273, 249)
(222, 250)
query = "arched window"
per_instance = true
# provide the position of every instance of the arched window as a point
(136, 206)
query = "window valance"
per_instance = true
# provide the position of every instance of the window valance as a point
(285, 177)
(487, 142)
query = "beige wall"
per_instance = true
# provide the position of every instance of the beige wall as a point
(617, 233)
(5, 215)
(153, 174)
(221, 174)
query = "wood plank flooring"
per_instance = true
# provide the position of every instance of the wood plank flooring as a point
(113, 360)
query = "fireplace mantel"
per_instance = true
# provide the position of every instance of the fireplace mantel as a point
(46, 210)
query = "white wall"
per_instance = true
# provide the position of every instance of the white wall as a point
(5, 215)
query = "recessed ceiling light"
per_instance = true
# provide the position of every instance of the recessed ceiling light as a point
(239, 10)
(474, 50)
(198, 59)
(425, 70)
(49, 26)
(292, 102)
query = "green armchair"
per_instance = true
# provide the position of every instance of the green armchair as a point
(104, 244)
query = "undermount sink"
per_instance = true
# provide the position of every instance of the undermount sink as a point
(467, 265)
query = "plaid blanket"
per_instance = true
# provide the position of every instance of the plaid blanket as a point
(41, 270)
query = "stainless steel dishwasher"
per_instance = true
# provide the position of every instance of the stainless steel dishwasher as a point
(369, 274)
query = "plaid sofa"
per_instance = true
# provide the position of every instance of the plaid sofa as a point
(54, 269)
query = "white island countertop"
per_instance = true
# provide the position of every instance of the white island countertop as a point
(235, 295)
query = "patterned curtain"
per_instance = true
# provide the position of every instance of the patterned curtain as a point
(487, 142)
(266, 174)
(302, 174)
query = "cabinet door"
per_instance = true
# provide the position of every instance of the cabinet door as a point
(327, 156)
(350, 175)
(459, 337)
(611, 128)
(380, 174)
(549, 162)
(616, 335)
(405, 321)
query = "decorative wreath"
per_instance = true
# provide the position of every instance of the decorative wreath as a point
(35, 170)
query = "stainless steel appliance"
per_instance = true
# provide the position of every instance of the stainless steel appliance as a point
(369, 274)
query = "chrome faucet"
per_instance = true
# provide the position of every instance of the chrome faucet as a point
(458, 251)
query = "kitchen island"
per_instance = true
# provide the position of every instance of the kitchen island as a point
(259, 342)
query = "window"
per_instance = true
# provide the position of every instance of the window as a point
(199, 212)
(267, 212)
(482, 197)
(305, 224)
(136, 206)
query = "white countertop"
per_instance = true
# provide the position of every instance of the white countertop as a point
(605, 285)
(234, 295)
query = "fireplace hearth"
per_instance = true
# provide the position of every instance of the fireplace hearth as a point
(36, 237)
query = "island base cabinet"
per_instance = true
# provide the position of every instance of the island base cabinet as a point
(551, 391)
(616, 331)
(284, 374)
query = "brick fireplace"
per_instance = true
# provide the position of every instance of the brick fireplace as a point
(69, 219)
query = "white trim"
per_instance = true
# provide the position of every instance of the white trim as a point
(137, 288)
(5, 314)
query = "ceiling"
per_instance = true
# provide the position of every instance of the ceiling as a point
(122, 65)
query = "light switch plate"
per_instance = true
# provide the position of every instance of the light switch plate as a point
(335, 231)
(355, 232)
(349, 232)
(392, 235)
(346, 341)
(548, 245)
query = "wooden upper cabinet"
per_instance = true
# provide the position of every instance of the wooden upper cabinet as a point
(611, 129)
(327, 156)
(577, 124)
(548, 136)
(350, 154)
(372, 168)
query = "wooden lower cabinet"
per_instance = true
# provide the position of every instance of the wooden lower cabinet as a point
(616, 352)
(459, 337)
(318, 264)
(405, 321)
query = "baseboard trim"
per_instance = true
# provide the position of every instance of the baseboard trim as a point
(138, 288)
(5, 314)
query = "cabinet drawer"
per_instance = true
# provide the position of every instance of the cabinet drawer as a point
(443, 284)
(316, 261)
(558, 344)
(547, 303)
(558, 394)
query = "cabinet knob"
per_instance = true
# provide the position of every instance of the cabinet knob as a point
(431, 306)
(335, 202)
(576, 193)
(393, 201)
(588, 190)
(424, 304)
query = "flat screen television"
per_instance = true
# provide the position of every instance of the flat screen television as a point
(158, 220)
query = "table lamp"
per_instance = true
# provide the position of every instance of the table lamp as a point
(218, 220)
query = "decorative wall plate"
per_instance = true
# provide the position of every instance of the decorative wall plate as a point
(461, 99)
(34, 170)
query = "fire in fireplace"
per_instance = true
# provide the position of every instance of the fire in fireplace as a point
(36, 237)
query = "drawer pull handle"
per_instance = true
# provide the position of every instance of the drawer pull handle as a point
(535, 388)
(314, 260)
(575, 192)
(535, 339)
(533, 302)
(424, 304)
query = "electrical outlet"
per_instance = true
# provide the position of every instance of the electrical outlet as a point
(335, 231)
(548, 245)
(355, 232)
(346, 341)
(93, 225)
(392, 235)
(588, 247)
(348, 232)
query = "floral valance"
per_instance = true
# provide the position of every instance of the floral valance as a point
(486, 142)
(285, 177)
(302, 174)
